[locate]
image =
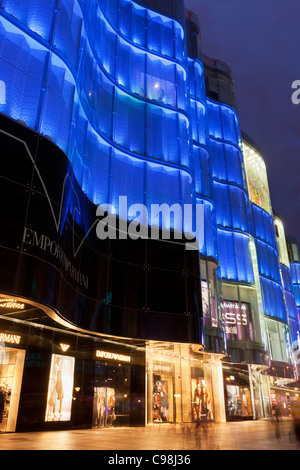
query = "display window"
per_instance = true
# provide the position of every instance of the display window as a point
(60, 389)
(238, 402)
(111, 403)
(162, 399)
(182, 384)
(104, 407)
(286, 401)
(202, 402)
(11, 371)
(161, 392)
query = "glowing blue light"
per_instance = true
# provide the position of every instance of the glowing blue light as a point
(2, 92)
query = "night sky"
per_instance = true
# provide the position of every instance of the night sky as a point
(260, 41)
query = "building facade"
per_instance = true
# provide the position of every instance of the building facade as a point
(112, 119)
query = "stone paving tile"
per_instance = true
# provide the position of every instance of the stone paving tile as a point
(251, 435)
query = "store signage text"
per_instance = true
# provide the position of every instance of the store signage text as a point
(113, 356)
(31, 237)
(159, 367)
(11, 303)
(11, 339)
(233, 317)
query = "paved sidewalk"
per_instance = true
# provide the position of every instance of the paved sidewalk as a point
(249, 435)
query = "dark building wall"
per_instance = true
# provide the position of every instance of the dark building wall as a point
(50, 252)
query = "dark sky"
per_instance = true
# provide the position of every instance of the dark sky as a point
(260, 41)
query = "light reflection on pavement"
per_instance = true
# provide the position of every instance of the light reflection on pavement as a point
(248, 435)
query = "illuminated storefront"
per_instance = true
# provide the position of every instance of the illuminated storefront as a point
(54, 377)
(102, 100)
(184, 385)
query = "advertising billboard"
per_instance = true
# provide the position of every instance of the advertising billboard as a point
(238, 321)
(60, 388)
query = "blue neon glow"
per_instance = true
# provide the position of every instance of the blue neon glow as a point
(85, 111)
(110, 83)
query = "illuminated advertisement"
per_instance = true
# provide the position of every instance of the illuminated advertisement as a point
(238, 321)
(257, 180)
(60, 389)
(161, 400)
(201, 401)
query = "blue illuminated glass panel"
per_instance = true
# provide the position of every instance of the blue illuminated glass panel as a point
(294, 327)
(233, 161)
(268, 261)
(196, 80)
(127, 180)
(68, 29)
(58, 104)
(218, 161)
(263, 225)
(223, 123)
(129, 122)
(198, 115)
(34, 14)
(295, 273)
(286, 278)
(231, 206)
(210, 247)
(202, 172)
(22, 64)
(221, 193)
(273, 299)
(235, 258)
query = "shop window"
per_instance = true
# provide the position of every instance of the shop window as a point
(162, 394)
(11, 371)
(111, 402)
(60, 388)
(202, 401)
(238, 403)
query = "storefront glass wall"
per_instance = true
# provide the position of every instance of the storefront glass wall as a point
(243, 324)
(212, 306)
(278, 334)
(183, 384)
(283, 396)
(52, 378)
